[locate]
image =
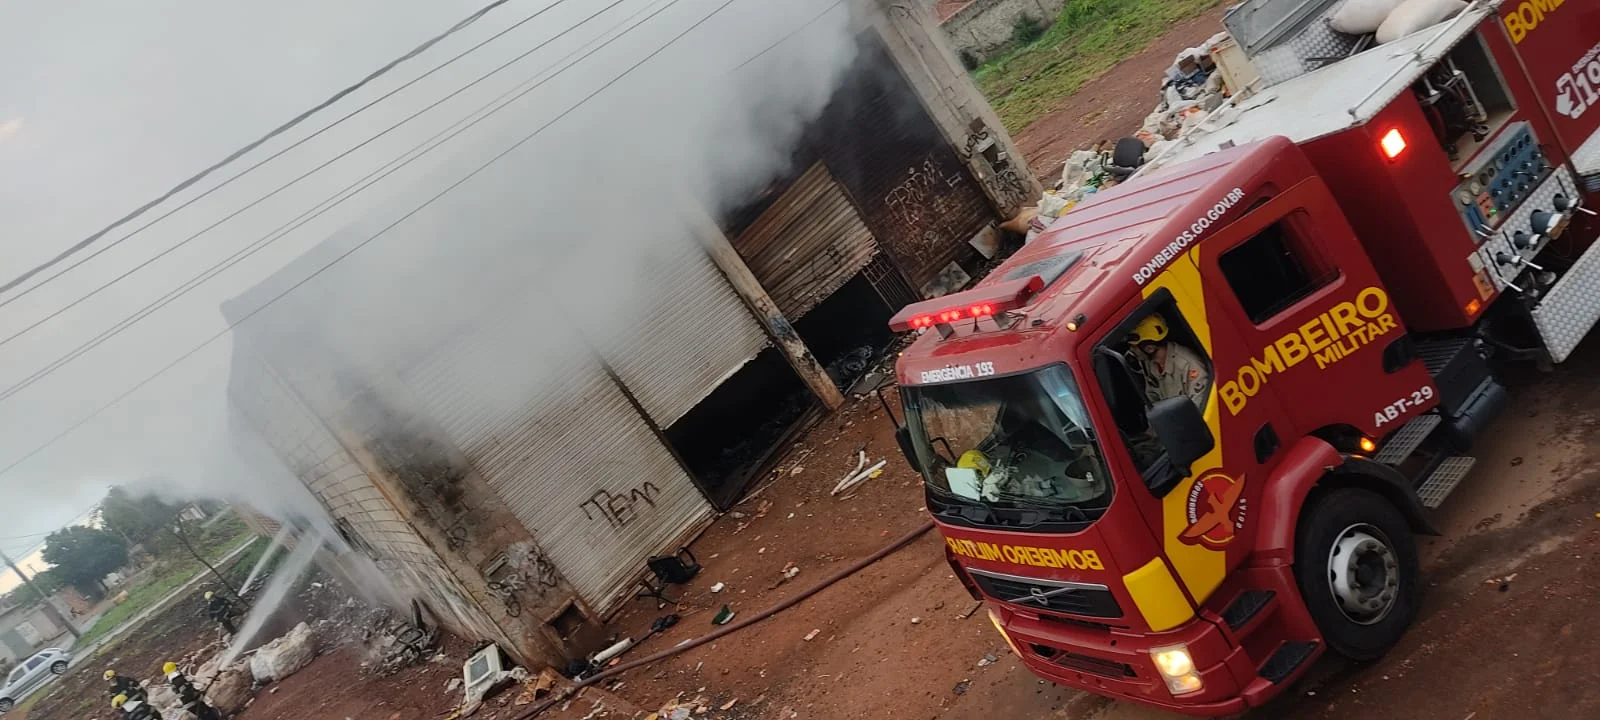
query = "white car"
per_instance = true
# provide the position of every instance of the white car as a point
(32, 674)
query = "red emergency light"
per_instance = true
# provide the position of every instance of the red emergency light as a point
(989, 301)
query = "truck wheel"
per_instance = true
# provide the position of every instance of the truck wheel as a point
(59, 668)
(6, 704)
(1356, 564)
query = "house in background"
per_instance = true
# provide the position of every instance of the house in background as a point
(26, 629)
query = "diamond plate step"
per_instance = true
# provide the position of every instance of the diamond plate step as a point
(1405, 440)
(1444, 480)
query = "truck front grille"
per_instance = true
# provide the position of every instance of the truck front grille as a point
(1062, 597)
(1084, 663)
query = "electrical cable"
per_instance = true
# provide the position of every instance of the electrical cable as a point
(305, 217)
(285, 127)
(247, 316)
(325, 164)
(296, 144)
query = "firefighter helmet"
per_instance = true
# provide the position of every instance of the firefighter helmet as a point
(169, 668)
(119, 701)
(210, 594)
(974, 460)
(1150, 329)
(110, 674)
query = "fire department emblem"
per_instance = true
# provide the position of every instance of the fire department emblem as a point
(1216, 509)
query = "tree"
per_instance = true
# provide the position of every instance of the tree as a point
(83, 556)
(136, 519)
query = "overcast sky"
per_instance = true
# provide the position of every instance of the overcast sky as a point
(104, 105)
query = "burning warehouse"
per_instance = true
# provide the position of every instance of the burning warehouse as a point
(511, 440)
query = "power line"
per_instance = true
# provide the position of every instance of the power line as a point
(285, 127)
(316, 211)
(519, 143)
(270, 158)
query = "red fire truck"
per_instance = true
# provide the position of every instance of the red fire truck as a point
(1182, 442)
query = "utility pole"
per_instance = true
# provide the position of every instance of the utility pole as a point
(49, 607)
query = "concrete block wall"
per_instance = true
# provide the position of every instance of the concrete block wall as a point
(984, 27)
(317, 458)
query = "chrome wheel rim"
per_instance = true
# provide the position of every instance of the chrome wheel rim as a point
(1363, 574)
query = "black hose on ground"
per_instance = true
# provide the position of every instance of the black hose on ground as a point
(726, 630)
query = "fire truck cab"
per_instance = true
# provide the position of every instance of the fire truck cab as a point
(1182, 442)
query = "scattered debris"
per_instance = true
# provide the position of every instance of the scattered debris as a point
(723, 616)
(718, 587)
(728, 705)
(453, 685)
(812, 635)
(916, 621)
(1503, 582)
(971, 610)
(961, 687)
(790, 570)
(988, 660)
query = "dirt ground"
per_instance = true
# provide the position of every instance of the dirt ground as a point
(1113, 105)
(895, 641)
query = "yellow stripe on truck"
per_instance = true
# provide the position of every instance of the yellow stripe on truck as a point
(1200, 568)
(1157, 596)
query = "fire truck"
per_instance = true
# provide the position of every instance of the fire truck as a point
(1183, 442)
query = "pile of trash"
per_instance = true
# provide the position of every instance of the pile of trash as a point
(1192, 90)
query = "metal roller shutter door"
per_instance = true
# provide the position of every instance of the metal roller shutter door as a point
(690, 333)
(576, 463)
(808, 244)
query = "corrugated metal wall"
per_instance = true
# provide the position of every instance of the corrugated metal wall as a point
(574, 460)
(808, 244)
(688, 334)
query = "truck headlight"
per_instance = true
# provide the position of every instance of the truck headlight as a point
(1177, 668)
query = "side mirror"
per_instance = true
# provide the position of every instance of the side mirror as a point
(1183, 432)
(902, 435)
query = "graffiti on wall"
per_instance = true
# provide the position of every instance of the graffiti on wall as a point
(1004, 180)
(619, 510)
(523, 570)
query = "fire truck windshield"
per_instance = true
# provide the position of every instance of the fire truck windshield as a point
(1012, 451)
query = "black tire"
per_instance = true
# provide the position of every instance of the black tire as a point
(59, 667)
(1351, 517)
(6, 704)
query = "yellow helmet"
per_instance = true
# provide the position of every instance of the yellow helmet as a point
(169, 668)
(974, 460)
(110, 674)
(119, 701)
(210, 594)
(1150, 329)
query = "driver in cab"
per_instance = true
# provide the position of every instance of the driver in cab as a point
(1170, 369)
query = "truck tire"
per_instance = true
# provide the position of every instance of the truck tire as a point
(6, 704)
(1356, 564)
(59, 667)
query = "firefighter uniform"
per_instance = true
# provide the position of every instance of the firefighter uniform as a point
(220, 609)
(125, 686)
(1184, 375)
(192, 698)
(135, 709)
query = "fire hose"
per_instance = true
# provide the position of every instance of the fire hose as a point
(726, 630)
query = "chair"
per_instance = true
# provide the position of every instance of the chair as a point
(675, 569)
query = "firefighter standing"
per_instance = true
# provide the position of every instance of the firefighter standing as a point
(135, 709)
(193, 700)
(220, 609)
(125, 686)
(1170, 369)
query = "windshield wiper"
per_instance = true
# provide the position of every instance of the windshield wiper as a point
(1068, 512)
